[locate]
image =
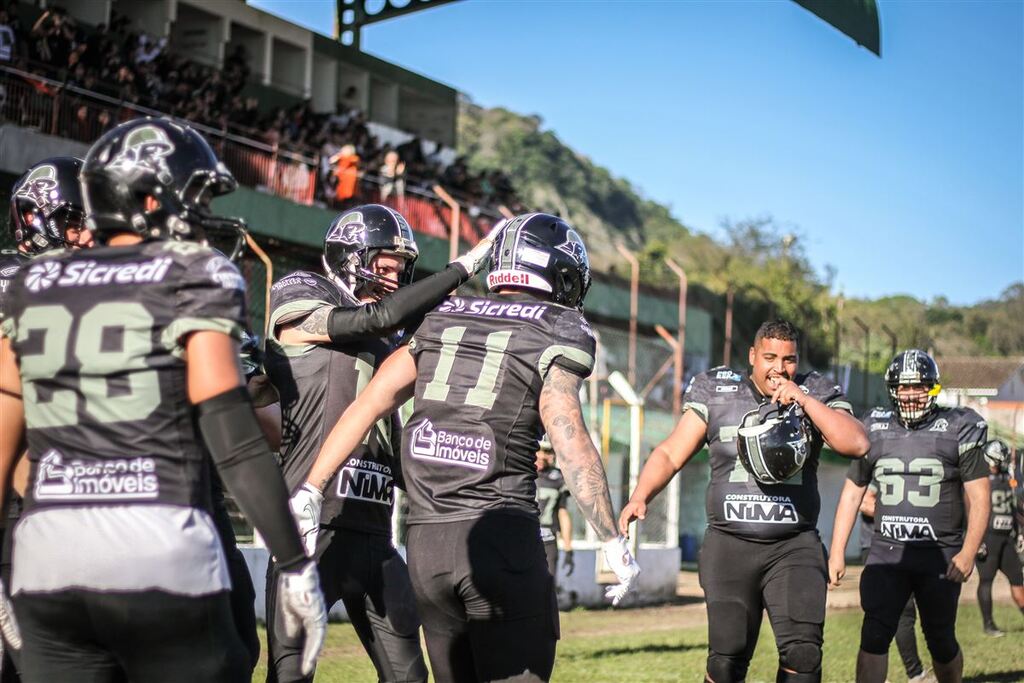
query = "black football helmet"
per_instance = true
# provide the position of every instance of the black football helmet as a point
(773, 442)
(997, 454)
(45, 202)
(912, 367)
(156, 178)
(356, 236)
(541, 252)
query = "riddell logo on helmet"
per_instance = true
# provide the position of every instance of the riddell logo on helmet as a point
(509, 279)
(517, 278)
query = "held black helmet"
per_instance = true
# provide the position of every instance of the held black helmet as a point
(773, 442)
(541, 252)
(155, 178)
(913, 367)
(997, 454)
(356, 236)
(45, 202)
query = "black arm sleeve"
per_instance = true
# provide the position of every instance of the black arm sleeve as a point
(397, 310)
(247, 468)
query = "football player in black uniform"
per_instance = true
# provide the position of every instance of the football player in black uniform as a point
(998, 551)
(328, 334)
(761, 550)
(488, 374)
(552, 495)
(117, 363)
(46, 214)
(906, 638)
(926, 461)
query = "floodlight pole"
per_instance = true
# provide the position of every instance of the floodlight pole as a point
(836, 334)
(636, 404)
(867, 359)
(634, 304)
(453, 233)
(892, 340)
(679, 349)
(730, 295)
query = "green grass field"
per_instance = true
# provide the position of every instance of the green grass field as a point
(652, 644)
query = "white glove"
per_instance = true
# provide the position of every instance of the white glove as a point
(8, 626)
(476, 258)
(305, 505)
(302, 611)
(622, 562)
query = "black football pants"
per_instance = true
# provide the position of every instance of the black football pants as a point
(8, 518)
(551, 555)
(1002, 557)
(78, 636)
(368, 575)
(486, 598)
(9, 662)
(243, 594)
(906, 638)
(893, 574)
(741, 579)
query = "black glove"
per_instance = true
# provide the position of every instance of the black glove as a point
(982, 553)
(569, 563)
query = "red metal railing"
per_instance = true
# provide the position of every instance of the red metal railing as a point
(67, 111)
(55, 108)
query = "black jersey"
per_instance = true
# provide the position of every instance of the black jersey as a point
(920, 474)
(113, 447)
(470, 444)
(552, 494)
(736, 502)
(10, 261)
(1001, 519)
(316, 383)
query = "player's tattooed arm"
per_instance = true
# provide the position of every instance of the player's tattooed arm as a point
(312, 329)
(316, 322)
(579, 461)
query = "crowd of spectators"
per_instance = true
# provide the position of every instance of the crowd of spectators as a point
(133, 67)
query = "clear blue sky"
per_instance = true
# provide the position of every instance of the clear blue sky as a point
(906, 173)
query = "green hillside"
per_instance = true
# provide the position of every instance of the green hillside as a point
(761, 261)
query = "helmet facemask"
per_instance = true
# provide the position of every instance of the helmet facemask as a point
(913, 408)
(223, 232)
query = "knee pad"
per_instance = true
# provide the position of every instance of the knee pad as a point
(803, 658)
(875, 637)
(726, 669)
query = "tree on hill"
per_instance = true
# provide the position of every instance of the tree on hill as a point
(758, 259)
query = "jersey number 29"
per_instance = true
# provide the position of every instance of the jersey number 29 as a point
(92, 346)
